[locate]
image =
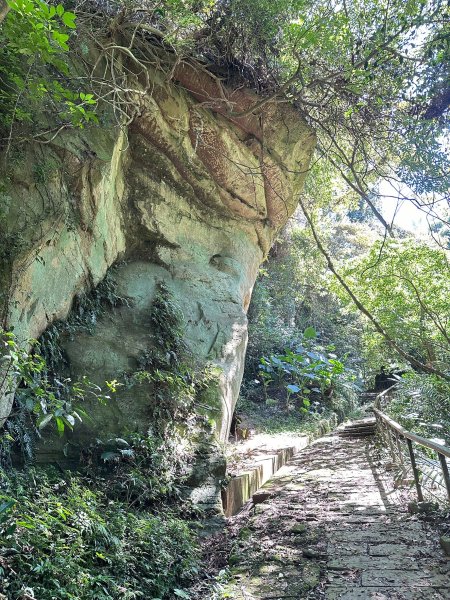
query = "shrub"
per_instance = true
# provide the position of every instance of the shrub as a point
(307, 374)
(421, 403)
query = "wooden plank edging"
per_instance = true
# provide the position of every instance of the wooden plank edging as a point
(242, 487)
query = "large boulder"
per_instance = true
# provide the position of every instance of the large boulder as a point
(191, 194)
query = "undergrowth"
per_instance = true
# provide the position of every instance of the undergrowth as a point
(35, 372)
(271, 419)
(120, 526)
(66, 536)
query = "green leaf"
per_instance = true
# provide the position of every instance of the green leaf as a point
(68, 19)
(70, 420)
(11, 529)
(107, 456)
(6, 506)
(76, 414)
(26, 524)
(61, 39)
(294, 389)
(44, 421)
(310, 333)
(60, 425)
(60, 10)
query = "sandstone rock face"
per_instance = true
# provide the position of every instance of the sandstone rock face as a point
(191, 194)
(61, 228)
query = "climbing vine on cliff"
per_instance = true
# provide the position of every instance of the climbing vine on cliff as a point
(40, 398)
(125, 511)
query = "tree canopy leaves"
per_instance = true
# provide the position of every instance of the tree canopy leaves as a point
(406, 286)
(371, 77)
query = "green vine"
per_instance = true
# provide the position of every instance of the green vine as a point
(40, 397)
(34, 372)
(155, 467)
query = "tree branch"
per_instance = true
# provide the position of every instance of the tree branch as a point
(378, 327)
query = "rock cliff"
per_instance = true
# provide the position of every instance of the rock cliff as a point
(191, 193)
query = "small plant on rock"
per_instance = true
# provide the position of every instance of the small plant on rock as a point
(43, 398)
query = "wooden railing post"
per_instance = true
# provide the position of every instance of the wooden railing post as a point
(445, 472)
(393, 428)
(400, 453)
(391, 445)
(415, 470)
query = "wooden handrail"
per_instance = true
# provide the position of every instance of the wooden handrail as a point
(384, 393)
(439, 448)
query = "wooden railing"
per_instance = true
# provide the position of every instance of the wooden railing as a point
(425, 470)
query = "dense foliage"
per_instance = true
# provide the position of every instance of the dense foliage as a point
(305, 347)
(40, 398)
(402, 283)
(293, 292)
(422, 404)
(35, 69)
(406, 286)
(307, 372)
(33, 372)
(71, 537)
(120, 525)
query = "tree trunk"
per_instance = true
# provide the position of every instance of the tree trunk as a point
(4, 10)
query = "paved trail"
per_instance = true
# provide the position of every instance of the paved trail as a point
(328, 531)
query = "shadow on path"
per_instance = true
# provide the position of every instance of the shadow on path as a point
(328, 529)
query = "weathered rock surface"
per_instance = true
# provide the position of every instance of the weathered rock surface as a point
(188, 194)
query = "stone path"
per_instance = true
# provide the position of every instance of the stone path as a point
(324, 528)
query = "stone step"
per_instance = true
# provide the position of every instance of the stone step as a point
(357, 425)
(358, 433)
(365, 423)
(368, 430)
(361, 428)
